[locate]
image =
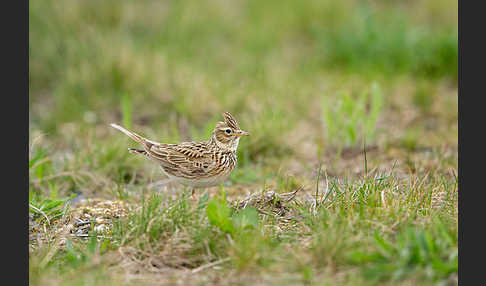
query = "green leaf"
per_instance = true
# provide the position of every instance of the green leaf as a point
(126, 107)
(52, 204)
(443, 267)
(201, 203)
(39, 155)
(93, 243)
(362, 257)
(246, 219)
(39, 171)
(218, 214)
(386, 248)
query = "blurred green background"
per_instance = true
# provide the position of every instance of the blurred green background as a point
(196, 58)
(303, 77)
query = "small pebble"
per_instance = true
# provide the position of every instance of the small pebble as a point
(69, 227)
(99, 228)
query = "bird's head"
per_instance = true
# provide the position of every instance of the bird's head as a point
(227, 134)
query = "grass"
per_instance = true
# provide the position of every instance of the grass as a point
(352, 120)
(348, 177)
(385, 228)
(428, 253)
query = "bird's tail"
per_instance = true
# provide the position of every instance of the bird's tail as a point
(130, 134)
(138, 151)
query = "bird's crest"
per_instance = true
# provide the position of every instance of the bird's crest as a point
(230, 121)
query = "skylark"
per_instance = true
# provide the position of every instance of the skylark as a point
(195, 164)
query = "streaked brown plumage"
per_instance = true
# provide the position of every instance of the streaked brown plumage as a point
(195, 164)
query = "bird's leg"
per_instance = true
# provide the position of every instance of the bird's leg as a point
(194, 199)
(159, 184)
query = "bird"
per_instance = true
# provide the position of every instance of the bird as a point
(195, 164)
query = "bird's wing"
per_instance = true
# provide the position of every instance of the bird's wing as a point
(188, 160)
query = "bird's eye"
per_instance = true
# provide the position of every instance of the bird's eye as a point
(228, 131)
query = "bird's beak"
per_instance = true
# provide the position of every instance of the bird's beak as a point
(240, 133)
